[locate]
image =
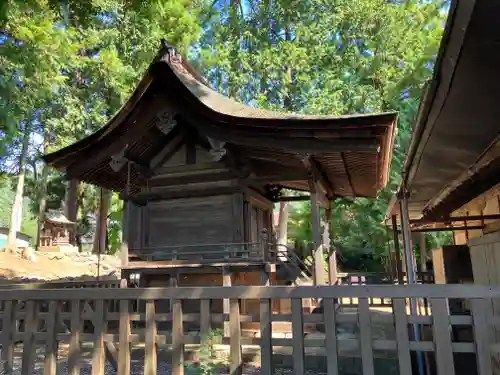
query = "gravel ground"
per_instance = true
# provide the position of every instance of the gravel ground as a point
(137, 365)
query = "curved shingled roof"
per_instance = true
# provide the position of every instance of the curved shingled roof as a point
(353, 152)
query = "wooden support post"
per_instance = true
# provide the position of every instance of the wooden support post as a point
(98, 357)
(150, 361)
(6, 337)
(226, 281)
(177, 338)
(397, 252)
(124, 329)
(74, 343)
(235, 338)
(332, 251)
(29, 347)
(423, 252)
(319, 268)
(50, 365)
(125, 233)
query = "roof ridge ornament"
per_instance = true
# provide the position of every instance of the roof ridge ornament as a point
(172, 55)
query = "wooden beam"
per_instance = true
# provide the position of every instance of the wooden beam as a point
(141, 198)
(169, 150)
(314, 168)
(348, 174)
(455, 218)
(297, 198)
(192, 178)
(450, 229)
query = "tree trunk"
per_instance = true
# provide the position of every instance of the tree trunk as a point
(101, 232)
(17, 206)
(71, 207)
(42, 197)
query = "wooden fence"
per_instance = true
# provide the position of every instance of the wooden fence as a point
(47, 321)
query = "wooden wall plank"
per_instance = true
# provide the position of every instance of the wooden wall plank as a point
(74, 344)
(50, 365)
(442, 337)
(98, 357)
(124, 344)
(6, 339)
(403, 342)
(150, 359)
(365, 337)
(177, 338)
(298, 336)
(29, 348)
(331, 336)
(235, 338)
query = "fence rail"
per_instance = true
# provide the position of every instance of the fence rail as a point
(47, 320)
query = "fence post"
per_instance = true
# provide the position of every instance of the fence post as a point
(29, 349)
(6, 339)
(298, 336)
(150, 349)
(124, 345)
(235, 337)
(482, 334)
(51, 342)
(177, 338)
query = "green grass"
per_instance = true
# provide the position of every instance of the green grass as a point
(29, 223)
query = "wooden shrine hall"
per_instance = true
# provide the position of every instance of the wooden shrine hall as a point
(200, 174)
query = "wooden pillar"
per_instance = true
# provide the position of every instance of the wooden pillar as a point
(397, 252)
(319, 268)
(423, 252)
(71, 207)
(125, 233)
(226, 281)
(332, 251)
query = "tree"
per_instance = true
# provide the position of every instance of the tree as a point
(71, 64)
(329, 57)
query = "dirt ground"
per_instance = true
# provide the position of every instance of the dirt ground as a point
(53, 266)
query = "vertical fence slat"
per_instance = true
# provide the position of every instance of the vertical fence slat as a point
(51, 343)
(7, 340)
(482, 335)
(331, 336)
(365, 336)
(124, 345)
(442, 338)
(235, 338)
(402, 340)
(177, 338)
(266, 348)
(74, 344)
(298, 336)
(226, 281)
(205, 320)
(150, 359)
(29, 348)
(98, 358)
